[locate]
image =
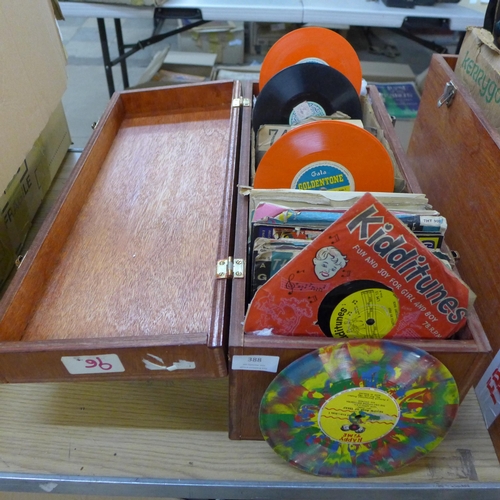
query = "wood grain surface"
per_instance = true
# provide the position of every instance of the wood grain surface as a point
(125, 262)
(140, 259)
(455, 154)
(178, 429)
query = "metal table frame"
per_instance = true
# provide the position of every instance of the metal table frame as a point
(160, 15)
(244, 490)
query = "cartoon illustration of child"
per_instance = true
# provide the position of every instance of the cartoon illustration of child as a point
(328, 261)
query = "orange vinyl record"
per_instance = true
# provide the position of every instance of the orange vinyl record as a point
(312, 44)
(328, 156)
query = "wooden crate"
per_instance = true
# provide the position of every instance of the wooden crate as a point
(120, 282)
(455, 155)
(465, 356)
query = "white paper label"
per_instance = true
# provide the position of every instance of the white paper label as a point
(488, 391)
(100, 363)
(256, 363)
(156, 363)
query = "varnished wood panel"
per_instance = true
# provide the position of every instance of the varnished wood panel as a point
(140, 260)
(455, 155)
(129, 250)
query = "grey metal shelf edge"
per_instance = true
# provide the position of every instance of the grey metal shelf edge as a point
(242, 490)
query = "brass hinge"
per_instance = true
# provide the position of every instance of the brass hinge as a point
(241, 101)
(230, 269)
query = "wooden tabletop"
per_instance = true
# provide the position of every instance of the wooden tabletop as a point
(178, 429)
(176, 432)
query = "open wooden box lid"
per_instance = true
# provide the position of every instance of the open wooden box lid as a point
(455, 154)
(121, 280)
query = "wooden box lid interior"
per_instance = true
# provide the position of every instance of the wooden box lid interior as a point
(131, 247)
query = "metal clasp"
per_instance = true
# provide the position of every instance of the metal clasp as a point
(448, 94)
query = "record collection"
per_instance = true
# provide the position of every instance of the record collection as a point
(365, 276)
(338, 249)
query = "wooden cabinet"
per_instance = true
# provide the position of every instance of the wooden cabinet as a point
(121, 281)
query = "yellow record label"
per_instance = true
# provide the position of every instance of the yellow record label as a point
(359, 415)
(369, 313)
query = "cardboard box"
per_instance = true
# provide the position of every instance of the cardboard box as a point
(22, 197)
(375, 72)
(224, 38)
(478, 67)
(173, 68)
(33, 78)
(241, 72)
(263, 36)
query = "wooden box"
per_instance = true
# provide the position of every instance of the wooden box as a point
(466, 355)
(455, 155)
(120, 282)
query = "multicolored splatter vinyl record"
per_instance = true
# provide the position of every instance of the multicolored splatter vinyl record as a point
(359, 408)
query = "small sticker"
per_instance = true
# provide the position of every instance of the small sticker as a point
(101, 363)
(256, 363)
(488, 391)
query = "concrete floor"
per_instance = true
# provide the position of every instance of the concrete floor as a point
(87, 92)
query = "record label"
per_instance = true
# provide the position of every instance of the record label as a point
(353, 159)
(359, 309)
(359, 415)
(324, 176)
(316, 60)
(305, 110)
(359, 408)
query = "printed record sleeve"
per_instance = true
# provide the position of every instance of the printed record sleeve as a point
(365, 276)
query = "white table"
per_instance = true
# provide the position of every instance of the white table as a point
(352, 12)
(338, 13)
(377, 14)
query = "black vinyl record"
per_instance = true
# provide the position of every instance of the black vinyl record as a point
(322, 89)
(358, 309)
